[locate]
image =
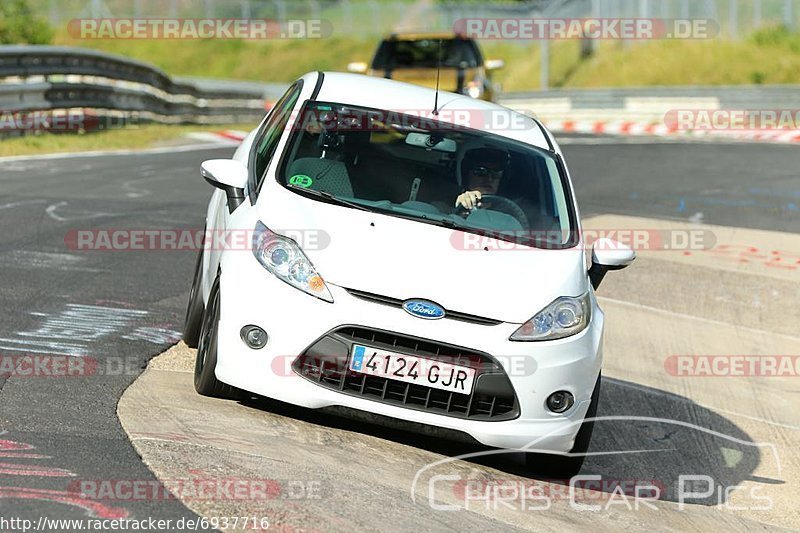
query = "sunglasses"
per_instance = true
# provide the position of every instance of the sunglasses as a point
(482, 172)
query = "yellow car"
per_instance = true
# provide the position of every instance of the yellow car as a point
(412, 57)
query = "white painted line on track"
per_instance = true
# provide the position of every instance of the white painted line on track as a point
(100, 153)
(696, 318)
(22, 202)
(650, 390)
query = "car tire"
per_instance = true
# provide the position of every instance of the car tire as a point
(563, 466)
(205, 379)
(195, 306)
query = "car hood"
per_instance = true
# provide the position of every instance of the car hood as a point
(405, 259)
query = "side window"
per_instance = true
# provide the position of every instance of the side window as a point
(267, 142)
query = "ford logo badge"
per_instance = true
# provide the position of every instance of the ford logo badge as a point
(423, 309)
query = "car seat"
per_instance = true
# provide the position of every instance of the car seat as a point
(328, 173)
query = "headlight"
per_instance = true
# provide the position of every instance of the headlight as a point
(284, 258)
(474, 89)
(565, 316)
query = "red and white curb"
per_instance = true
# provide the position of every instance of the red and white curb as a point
(231, 137)
(623, 127)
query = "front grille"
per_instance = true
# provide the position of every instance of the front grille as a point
(396, 302)
(326, 363)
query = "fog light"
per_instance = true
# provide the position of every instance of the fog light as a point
(560, 401)
(254, 337)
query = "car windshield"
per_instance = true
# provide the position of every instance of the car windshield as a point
(461, 53)
(428, 171)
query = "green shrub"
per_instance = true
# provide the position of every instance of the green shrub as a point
(777, 37)
(19, 25)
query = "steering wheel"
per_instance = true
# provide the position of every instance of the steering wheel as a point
(506, 205)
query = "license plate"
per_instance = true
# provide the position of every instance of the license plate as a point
(411, 369)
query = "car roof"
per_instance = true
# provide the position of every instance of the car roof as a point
(400, 97)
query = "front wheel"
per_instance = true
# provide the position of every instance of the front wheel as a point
(205, 380)
(194, 309)
(567, 466)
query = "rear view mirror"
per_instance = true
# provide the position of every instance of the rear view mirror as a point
(229, 175)
(608, 254)
(431, 142)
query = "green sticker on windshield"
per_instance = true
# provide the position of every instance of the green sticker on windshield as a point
(301, 180)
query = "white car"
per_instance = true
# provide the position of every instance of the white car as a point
(424, 266)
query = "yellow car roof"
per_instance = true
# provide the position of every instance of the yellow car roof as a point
(413, 36)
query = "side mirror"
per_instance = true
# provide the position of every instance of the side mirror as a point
(494, 64)
(359, 67)
(608, 254)
(229, 175)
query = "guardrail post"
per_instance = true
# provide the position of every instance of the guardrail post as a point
(544, 73)
(374, 9)
(53, 13)
(314, 8)
(788, 14)
(587, 44)
(756, 14)
(733, 19)
(96, 9)
(281, 5)
(347, 16)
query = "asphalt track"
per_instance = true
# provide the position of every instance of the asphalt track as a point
(121, 308)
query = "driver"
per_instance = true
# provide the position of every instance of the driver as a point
(483, 171)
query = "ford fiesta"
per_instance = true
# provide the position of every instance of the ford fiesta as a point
(406, 254)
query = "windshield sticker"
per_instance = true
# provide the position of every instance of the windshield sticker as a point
(301, 180)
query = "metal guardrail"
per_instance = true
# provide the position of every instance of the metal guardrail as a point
(650, 104)
(62, 79)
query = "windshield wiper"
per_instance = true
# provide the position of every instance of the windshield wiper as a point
(329, 197)
(446, 222)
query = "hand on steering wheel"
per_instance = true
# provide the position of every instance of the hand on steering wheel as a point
(469, 200)
(504, 205)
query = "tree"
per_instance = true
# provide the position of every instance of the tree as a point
(20, 25)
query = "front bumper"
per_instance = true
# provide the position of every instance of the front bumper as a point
(294, 321)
